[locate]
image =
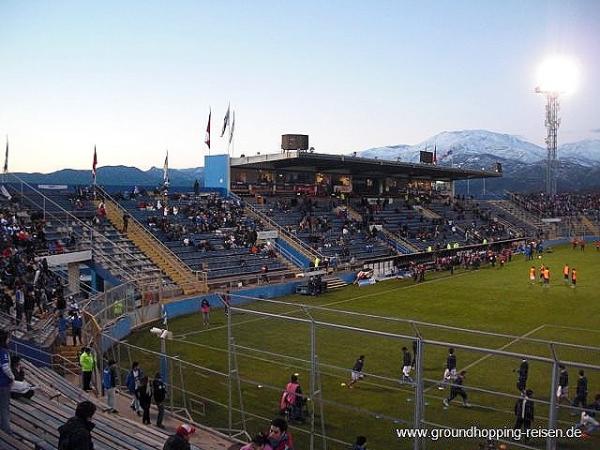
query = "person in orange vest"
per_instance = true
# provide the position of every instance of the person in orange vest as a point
(547, 276)
(532, 275)
(597, 246)
(566, 273)
(573, 277)
(542, 268)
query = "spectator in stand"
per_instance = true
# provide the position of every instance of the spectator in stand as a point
(581, 391)
(6, 380)
(279, 437)
(28, 306)
(144, 394)
(181, 439)
(109, 383)
(159, 392)
(259, 442)
(19, 304)
(76, 325)
(87, 363)
(76, 433)
(132, 382)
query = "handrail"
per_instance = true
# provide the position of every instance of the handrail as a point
(153, 238)
(94, 232)
(388, 234)
(303, 246)
(287, 254)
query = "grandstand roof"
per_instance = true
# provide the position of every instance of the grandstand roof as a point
(354, 165)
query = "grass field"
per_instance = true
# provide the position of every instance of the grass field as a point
(499, 300)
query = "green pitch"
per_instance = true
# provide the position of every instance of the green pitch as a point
(499, 300)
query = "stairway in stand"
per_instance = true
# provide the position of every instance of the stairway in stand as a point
(334, 282)
(190, 282)
(66, 358)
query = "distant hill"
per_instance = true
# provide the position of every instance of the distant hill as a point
(117, 176)
(523, 162)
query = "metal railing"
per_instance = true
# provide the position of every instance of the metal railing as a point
(200, 275)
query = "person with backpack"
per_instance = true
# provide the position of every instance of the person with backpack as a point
(292, 400)
(159, 392)
(109, 383)
(144, 394)
(76, 433)
(132, 382)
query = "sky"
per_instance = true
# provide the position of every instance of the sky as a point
(136, 78)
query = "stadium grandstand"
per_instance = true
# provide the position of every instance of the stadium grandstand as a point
(273, 245)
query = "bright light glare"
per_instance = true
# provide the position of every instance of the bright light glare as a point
(558, 74)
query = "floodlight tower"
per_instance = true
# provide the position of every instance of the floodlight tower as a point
(552, 123)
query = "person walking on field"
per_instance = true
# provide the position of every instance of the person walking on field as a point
(457, 389)
(205, 309)
(524, 412)
(573, 278)
(357, 370)
(406, 366)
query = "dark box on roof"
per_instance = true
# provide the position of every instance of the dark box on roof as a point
(426, 157)
(294, 142)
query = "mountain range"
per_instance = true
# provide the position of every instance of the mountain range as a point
(523, 162)
(117, 176)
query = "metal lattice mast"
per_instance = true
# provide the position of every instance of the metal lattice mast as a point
(552, 123)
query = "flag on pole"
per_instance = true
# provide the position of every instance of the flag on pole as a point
(232, 127)
(6, 157)
(94, 164)
(435, 154)
(207, 137)
(225, 121)
(166, 170)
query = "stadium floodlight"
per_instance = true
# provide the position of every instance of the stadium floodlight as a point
(558, 75)
(163, 334)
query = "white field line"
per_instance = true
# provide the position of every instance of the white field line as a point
(573, 328)
(297, 310)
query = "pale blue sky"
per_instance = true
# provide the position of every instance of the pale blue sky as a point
(137, 77)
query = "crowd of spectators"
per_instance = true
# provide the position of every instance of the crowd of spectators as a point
(560, 205)
(28, 287)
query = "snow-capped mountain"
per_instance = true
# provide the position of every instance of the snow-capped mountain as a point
(586, 152)
(523, 162)
(465, 145)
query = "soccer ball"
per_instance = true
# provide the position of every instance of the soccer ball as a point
(343, 384)
(259, 386)
(540, 257)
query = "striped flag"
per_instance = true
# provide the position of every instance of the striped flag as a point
(94, 164)
(6, 157)
(225, 121)
(232, 127)
(207, 137)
